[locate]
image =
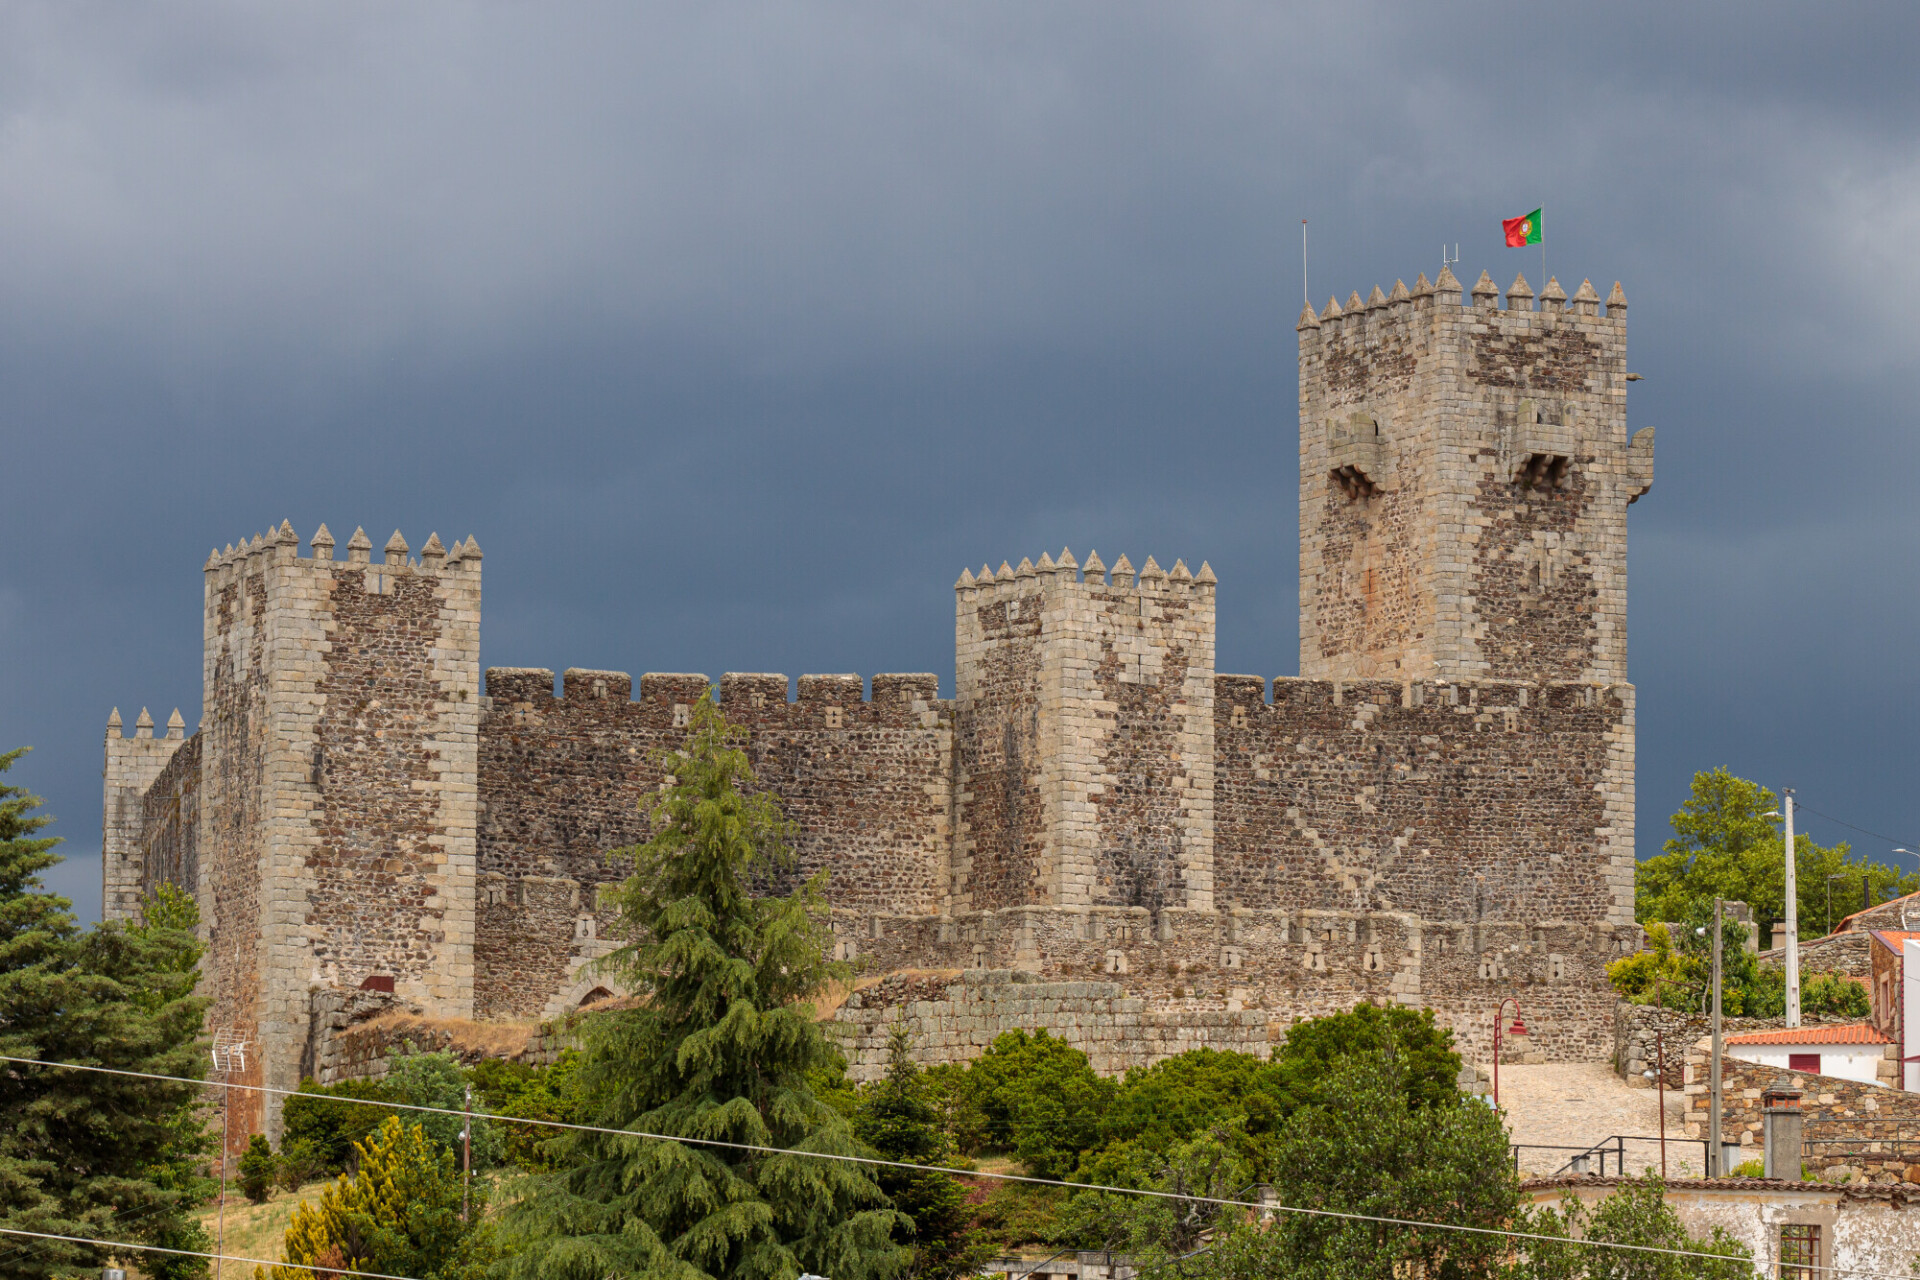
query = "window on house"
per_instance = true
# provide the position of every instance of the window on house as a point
(1799, 1251)
(1808, 1062)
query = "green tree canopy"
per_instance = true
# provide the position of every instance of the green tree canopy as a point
(1723, 846)
(1041, 1100)
(1635, 1214)
(897, 1118)
(84, 1153)
(1368, 1146)
(719, 1048)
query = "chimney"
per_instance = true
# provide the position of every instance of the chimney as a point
(1781, 1108)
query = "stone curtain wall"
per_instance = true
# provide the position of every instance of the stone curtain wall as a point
(1850, 1128)
(169, 824)
(953, 1018)
(1458, 802)
(565, 780)
(1464, 478)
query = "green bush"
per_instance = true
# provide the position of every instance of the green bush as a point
(530, 1093)
(299, 1164)
(1834, 994)
(1040, 1099)
(318, 1116)
(257, 1167)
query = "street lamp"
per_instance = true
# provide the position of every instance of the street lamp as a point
(1660, 1071)
(1793, 910)
(1519, 1028)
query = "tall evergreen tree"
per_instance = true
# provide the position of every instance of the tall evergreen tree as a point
(81, 1153)
(897, 1118)
(719, 1049)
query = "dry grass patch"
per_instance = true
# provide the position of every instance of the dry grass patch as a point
(459, 1036)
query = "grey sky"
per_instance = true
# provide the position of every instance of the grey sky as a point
(733, 332)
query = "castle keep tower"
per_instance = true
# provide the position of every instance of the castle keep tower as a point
(1464, 481)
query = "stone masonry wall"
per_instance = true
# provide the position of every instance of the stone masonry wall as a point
(1464, 479)
(1849, 1127)
(132, 764)
(565, 780)
(1454, 802)
(169, 824)
(954, 1017)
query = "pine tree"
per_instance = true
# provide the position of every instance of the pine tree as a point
(897, 1118)
(719, 1049)
(81, 1153)
(257, 1169)
(398, 1213)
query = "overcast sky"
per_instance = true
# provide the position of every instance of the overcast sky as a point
(733, 332)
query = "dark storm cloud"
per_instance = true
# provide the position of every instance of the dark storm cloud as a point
(734, 331)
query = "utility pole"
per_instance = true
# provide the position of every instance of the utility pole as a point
(466, 1161)
(1715, 1157)
(1793, 922)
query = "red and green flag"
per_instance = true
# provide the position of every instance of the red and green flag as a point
(1522, 231)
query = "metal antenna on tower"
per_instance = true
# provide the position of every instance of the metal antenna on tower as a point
(1445, 261)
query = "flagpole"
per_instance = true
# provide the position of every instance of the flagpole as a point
(1543, 250)
(1306, 297)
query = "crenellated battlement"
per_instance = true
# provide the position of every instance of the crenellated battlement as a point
(281, 547)
(1012, 582)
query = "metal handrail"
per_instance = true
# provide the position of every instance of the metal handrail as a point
(1616, 1144)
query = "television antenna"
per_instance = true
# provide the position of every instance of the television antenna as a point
(1445, 261)
(229, 1052)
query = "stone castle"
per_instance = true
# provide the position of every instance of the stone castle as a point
(1437, 811)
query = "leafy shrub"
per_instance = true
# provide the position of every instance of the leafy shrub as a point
(399, 1213)
(530, 1093)
(1040, 1099)
(1835, 994)
(300, 1164)
(257, 1167)
(318, 1116)
(437, 1080)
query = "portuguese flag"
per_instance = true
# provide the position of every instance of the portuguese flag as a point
(1522, 232)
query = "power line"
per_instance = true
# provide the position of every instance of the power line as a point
(190, 1253)
(1891, 840)
(934, 1168)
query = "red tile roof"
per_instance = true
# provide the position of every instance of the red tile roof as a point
(1894, 937)
(1850, 1033)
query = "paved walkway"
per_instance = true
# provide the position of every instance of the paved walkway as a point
(1579, 1104)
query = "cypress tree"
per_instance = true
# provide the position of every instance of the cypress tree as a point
(84, 1154)
(718, 1048)
(898, 1119)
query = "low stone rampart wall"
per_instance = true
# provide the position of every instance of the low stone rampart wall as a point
(953, 1018)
